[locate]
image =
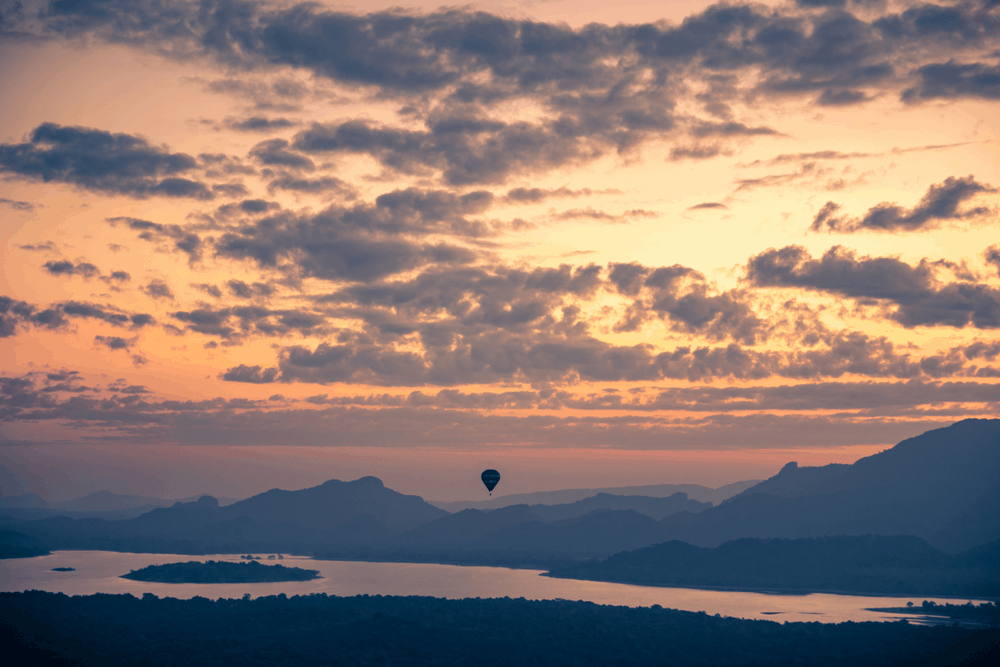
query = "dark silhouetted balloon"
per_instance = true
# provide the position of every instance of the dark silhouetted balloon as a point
(490, 479)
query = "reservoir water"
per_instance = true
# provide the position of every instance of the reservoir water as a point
(100, 572)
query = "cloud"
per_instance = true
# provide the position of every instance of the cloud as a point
(919, 299)
(236, 323)
(101, 161)
(276, 153)
(870, 413)
(250, 374)
(17, 205)
(730, 129)
(326, 186)
(814, 396)
(15, 314)
(591, 213)
(258, 124)
(364, 241)
(696, 152)
(158, 289)
(842, 97)
(45, 246)
(114, 342)
(106, 313)
(592, 91)
(536, 195)
(497, 357)
(116, 280)
(940, 203)
(247, 207)
(67, 268)
(709, 205)
(211, 290)
(951, 80)
(465, 150)
(992, 256)
(180, 239)
(810, 157)
(242, 290)
(682, 296)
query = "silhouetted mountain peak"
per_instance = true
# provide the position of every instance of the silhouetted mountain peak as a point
(940, 485)
(334, 503)
(369, 481)
(204, 502)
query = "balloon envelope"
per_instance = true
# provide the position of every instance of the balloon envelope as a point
(490, 479)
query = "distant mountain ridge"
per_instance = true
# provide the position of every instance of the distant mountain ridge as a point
(656, 508)
(941, 486)
(702, 494)
(335, 503)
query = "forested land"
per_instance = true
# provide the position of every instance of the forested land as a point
(220, 572)
(869, 564)
(51, 628)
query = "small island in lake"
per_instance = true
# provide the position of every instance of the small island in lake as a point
(64, 569)
(220, 572)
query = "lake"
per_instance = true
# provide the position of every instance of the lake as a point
(100, 572)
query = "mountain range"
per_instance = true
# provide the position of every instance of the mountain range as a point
(697, 492)
(939, 487)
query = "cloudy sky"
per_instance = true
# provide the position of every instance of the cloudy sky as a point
(252, 244)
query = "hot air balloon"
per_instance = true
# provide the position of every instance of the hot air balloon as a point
(490, 479)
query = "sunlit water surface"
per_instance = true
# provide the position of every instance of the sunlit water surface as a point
(100, 572)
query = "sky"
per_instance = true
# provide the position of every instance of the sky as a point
(250, 245)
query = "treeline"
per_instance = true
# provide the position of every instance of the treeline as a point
(50, 628)
(872, 564)
(220, 572)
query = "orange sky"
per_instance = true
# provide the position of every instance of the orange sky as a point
(587, 246)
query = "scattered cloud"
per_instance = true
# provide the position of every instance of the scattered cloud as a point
(940, 204)
(258, 124)
(918, 297)
(67, 268)
(97, 160)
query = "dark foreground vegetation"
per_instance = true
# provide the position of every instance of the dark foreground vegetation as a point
(317, 629)
(870, 564)
(220, 572)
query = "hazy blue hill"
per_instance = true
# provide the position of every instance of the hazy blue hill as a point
(106, 501)
(657, 508)
(333, 513)
(180, 516)
(940, 461)
(509, 536)
(18, 545)
(334, 503)
(594, 535)
(941, 486)
(26, 501)
(697, 492)
(871, 564)
(469, 525)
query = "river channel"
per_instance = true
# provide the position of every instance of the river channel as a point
(100, 572)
